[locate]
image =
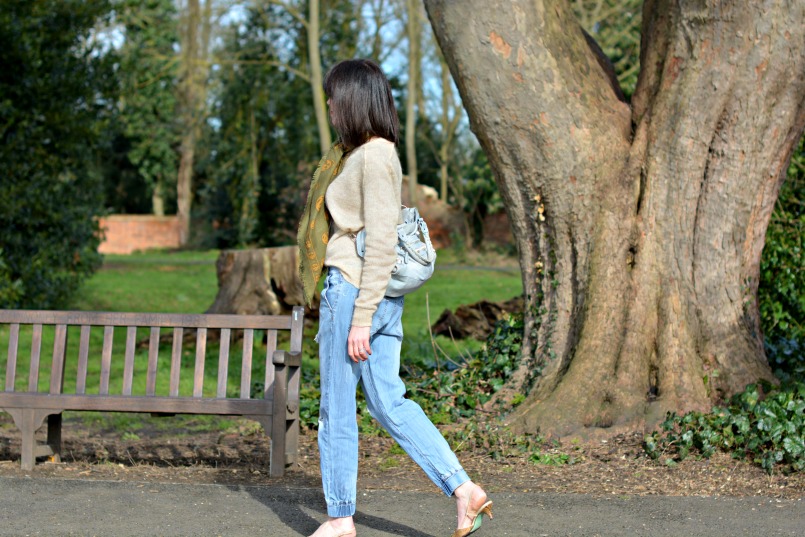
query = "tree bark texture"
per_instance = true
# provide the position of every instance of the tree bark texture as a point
(260, 281)
(639, 228)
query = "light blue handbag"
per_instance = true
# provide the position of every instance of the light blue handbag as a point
(416, 258)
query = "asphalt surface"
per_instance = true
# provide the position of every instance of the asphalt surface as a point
(56, 507)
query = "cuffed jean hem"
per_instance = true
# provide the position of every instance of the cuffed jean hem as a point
(450, 484)
(341, 510)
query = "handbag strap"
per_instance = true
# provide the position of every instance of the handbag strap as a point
(430, 252)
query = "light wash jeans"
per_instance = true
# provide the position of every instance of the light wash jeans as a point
(384, 391)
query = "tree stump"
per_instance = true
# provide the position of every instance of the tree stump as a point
(261, 281)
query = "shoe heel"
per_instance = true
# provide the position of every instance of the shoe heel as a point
(488, 511)
(477, 520)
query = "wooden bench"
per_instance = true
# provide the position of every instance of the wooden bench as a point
(277, 411)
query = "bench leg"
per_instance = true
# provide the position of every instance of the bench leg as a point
(279, 421)
(277, 466)
(292, 425)
(268, 426)
(283, 425)
(28, 420)
(54, 436)
(292, 443)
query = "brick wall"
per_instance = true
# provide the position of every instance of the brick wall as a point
(126, 233)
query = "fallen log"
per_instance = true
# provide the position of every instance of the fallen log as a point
(476, 320)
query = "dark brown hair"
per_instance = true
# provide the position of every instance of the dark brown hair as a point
(361, 103)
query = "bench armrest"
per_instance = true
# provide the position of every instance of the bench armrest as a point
(287, 358)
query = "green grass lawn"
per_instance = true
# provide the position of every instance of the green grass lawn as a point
(185, 282)
(181, 282)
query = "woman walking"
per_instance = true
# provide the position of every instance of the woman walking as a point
(357, 186)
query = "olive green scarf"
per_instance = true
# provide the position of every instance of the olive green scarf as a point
(314, 228)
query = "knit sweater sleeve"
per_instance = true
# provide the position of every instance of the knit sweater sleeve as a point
(381, 209)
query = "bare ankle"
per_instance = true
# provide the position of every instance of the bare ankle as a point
(467, 490)
(336, 527)
(464, 489)
(341, 522)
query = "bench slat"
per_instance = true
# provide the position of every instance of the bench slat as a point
(57, 366)
(134, 403)
(201, 355)
(169, 320)
(36, 351)
(246, 368)
(223, 363)
(106, 358)
(176, 361)
(153, 357)
(83, 358)
(11, 362)
(128, 364)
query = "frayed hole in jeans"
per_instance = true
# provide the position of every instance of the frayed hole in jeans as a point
(326, 300)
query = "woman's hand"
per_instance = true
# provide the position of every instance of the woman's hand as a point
(358, 343)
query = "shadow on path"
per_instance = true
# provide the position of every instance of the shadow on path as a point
(292, 507)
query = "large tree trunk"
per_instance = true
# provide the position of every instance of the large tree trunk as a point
(639, 230)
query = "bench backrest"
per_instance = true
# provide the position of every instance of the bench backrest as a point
(155, 322)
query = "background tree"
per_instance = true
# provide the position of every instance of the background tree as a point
(450, 117)
(615, 27)
(480, 197)
(316, 76)
(148, 75)
(438, 103)
(639, 228)
(195, 30)
(262, 142)
(782, 275)
(263, 128)
(53, 93)
(414, 34)
(377, 30)
(310, 19)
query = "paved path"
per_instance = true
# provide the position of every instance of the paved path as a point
(56, 507)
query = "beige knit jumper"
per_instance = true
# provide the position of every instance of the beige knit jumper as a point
(366, 194)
